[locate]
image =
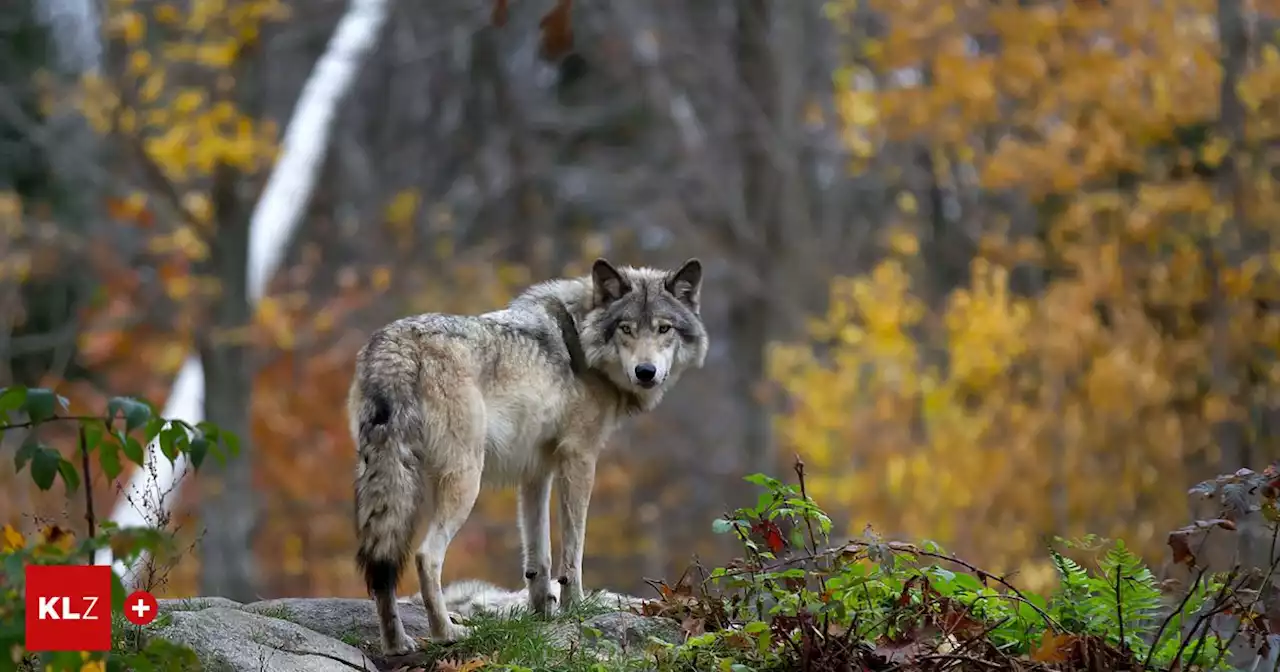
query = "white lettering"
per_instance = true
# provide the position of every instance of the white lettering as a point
(88, 612)
(67, 614)
(46, 608)
(49, 609)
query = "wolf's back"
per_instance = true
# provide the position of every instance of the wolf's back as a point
(387, 424)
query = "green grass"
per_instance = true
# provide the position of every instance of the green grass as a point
(521, 641)
(278, 611)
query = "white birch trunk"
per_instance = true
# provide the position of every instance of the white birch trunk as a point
(74, 27)
(275, 217)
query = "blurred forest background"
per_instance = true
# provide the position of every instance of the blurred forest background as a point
(997, 270)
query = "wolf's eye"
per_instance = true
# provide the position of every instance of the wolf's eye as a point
(664, 329)
(625, 328)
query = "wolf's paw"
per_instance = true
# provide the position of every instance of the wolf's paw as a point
(570, 597)
(402, 646)
(453, 632)
(542, 605)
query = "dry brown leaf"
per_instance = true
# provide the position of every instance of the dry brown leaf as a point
(557, 31)
(449, 665)
(692, 627)
(1054, 648)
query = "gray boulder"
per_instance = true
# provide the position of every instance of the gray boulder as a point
(341, 634)
(349, 620)
(632, 631)
(235, 640)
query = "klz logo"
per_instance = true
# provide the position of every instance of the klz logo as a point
(68, 608)
(49, 609)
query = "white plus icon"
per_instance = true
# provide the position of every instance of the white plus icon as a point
(141, 604)
(141, 609)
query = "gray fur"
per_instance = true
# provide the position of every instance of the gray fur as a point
(520, 396)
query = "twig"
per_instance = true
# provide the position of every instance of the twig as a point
(808, 521)
(1205, 616)
(1266, 583)
(981, 636)
(959, 658)
(56, 418)
(1155, 644)
(1124, 647)
(88, 489)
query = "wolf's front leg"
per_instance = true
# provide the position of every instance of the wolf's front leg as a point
(577, 475)
(535, 536)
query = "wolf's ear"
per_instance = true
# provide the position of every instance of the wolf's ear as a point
(609, 283)
(686, 283)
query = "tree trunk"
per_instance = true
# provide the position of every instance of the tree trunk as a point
(751, 310)
(1222, 252)
(228, 506)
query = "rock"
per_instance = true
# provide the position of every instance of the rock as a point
(349, 620)
(195, 604)
(237, 640)
(632, 631)
(341, 634)
(621, 630)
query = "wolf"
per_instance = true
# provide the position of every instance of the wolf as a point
(441, 404)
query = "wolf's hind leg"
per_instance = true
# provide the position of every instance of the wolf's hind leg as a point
(455, 494)
(535, 536)
(394, 639)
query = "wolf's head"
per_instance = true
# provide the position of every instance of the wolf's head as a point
(643, 329)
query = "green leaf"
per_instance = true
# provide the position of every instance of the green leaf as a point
(93, 432)
(117, 593)
(138, 662)
(40, 404)
(172, 439)
(154, 426)
(764, 481)
(764, 501)
(136, 414)
(721, 526)
(12, 398)
(44, 467)
(25, 452)
(132, 449)
(198, 450)
(70, 477)
(109, 458)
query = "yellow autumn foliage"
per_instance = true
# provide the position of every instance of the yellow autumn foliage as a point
(185, 128)
(993, 419)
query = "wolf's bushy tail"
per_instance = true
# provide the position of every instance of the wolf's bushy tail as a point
(388, 487)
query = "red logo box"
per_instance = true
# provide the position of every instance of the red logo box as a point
(68, 607)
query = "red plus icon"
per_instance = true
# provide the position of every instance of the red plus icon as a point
(141, 607)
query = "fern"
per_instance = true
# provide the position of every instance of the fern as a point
(1126, 598)
(1075, 591)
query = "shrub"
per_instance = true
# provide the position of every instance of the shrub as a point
(123, 430)
(794, 601)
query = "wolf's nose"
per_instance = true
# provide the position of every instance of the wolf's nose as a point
(646, 372)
